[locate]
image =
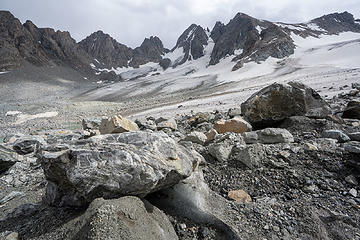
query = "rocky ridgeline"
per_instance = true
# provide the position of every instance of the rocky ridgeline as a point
(284, 165)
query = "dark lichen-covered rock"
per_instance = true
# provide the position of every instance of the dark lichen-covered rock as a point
(279, 101)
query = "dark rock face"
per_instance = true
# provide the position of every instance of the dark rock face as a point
(279, 101)
(338, 22)
(165, 63)
(151, 50)
(258, 39)
(352, 110)
(106, 50)
(193, 41)
(217, 31)
(39, 46)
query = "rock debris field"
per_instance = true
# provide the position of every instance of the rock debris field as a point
(283, 165)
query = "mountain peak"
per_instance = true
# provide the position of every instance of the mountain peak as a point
(335, 23)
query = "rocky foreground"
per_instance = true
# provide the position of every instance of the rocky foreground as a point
(284, 166)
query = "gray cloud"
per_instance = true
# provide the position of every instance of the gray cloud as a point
(130, 21)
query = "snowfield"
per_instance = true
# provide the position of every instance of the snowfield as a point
(327, 61)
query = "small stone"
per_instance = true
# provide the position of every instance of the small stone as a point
(240, 196)
(182, 226)
(310, 147)
(336, 134)
(310, 189)
(352, 180)
(275, 135)
(166, 123)
(266, 227)
(196, 137)
(91, 123)
(250, 137)
(12, 236)
(211, 134)
(276, 229)
(353, 192)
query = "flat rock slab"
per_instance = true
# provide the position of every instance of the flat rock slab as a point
(111, 166)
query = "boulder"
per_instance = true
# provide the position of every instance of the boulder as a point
(126, 218)
(91, 123)
(275, 135)
(117, 124)
(110, 166)
(235, 125)
(162, 123)
(336, 134)
(28, 144)
(196, 137)
(352, 110)
(278, 101)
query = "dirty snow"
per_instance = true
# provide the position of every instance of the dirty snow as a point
(27, 117)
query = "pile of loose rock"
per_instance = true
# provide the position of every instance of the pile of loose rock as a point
(284, 165)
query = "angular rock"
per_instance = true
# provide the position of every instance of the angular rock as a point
(196, 137)
(220, 151)
(193, 199)
(126, 218)
(91, 123)
(28, 144)
(278, 101)
(275, 135)
(236, 125)
(355, 136)
(250, 137)
(110, 166)
(7, 158)
(352, 110)
(211, 134)
(352, 147)
(336, 134)
(117, 124)
(166, 123)
(249, 155)
(239, 196)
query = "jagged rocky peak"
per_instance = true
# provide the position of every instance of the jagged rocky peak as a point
(106, 50)
(337, 22)
(151, 50)
(217, 31)
(193, 41)
(249, 39)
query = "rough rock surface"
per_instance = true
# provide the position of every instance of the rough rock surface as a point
(235, 125)
(125, 218)
(110, 166)
(279, 101)
(275, 135)
(352, 110)
(117, 124)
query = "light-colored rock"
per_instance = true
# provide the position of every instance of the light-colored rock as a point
(239, 196)
(109, 166)
(126, 218)
(249, 155)
(167, 123)
(275, 135)
(117, 124)
(235, 125)
(220, 151)
(336, 134)
(12, 236)
(193, 199)
(211, 134)
(353, 192)
(310, 147)
(279, 101)
(196, 137)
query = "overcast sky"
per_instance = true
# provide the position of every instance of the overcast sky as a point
(130, 21)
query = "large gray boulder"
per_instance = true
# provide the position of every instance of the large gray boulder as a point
(278, 101)
(275, 135)
(110, 166)
(126, 218)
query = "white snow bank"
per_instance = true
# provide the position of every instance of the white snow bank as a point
(26, 117)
